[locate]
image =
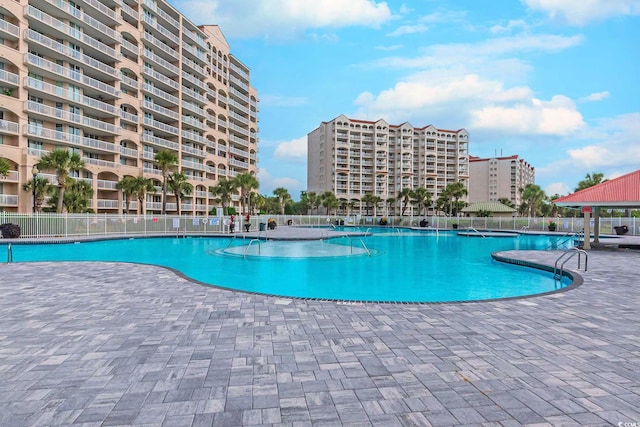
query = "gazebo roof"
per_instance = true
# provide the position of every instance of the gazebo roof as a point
(488, 206)
(621, 192)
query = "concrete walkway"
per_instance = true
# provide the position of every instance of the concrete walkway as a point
(105, 344)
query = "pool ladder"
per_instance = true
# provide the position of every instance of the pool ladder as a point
(473, 229)
(557, 275)
(9, 253)
(244, 255)
(364, 246)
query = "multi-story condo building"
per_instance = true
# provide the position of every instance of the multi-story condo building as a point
(351, 158)
(498, 177)
(117, 81)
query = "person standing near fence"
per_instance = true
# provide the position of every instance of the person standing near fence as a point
(232, 223)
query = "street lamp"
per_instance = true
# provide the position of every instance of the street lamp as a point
(34, 172)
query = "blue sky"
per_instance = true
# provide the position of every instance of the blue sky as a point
(554, 81)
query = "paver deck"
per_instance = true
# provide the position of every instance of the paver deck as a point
(105, 344)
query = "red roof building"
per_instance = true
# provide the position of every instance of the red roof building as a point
(621, 192)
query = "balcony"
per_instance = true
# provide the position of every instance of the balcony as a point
(161, 78)
(163, 127)
(8, 30)
(171, 53)
(101, 29)
(193, 165)
(239, 83)
(128, 81)
(173, 100)
(108, 13)
(75, 76)
(239, 163)
(197, 82)
(161, 110)
(193, 151)
(194, 108)
(9, 128)
(104, 184)
(59, 114)
(129, 117)
(128, 152)
(166, 65)
(68, 138)
(57, 92)
(160, 29)
(106, 72)
(129, 11)
(11, 79)
(192, 121)
(194, 137)
(194, 95)
(8, 200)
(195, 67)
(161, 13)
(68, 32)
(161, 142)
(132, 48)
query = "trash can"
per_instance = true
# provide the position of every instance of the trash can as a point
(263, 226)
(289, 222)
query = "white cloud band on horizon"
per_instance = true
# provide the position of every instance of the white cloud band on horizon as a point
(280, 18)
(581, 12)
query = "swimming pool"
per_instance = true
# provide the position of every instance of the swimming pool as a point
(400, 266)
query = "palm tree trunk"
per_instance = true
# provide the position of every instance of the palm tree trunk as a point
(178, 204)
(60, 198)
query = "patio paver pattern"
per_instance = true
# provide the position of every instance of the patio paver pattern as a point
(106, 344)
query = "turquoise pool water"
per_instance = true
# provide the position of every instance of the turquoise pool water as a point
(390, 266)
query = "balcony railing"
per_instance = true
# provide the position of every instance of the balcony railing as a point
(164, 15)
(161, 110)
(162, 30)
(36, 37)
(57, 113)
(188, 77)
(8, 200)
(128, 116)
(7, 77)
(162, 126)
(161, 61)
(9, 28)
(160, 93)
(41, 86)
(159, 141)
(161, 77)
(194, 137)
(71, 139)
(87, 19)
(9, 127)
(39, 62)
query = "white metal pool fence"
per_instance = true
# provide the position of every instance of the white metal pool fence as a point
(71, 225)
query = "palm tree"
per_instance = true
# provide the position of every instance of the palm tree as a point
(314, 200)
(223, 191)
(77, 196)
(533, 196)
(141, 187)
(245, 182)
(283, 197)
(127, 186)
(329, 200)
(388, 204)
(179, 186)
(63, 162)
(4, 166)
(590, 180)
(421, 198)
(258, 201)
(42, 188)
(405, 195)
(507, 202)
(369, 200)
(456, 191)
(166, 160)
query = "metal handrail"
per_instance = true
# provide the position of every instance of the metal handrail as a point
(471, 228)
(244, 255)
(9, 253)
(571, 252)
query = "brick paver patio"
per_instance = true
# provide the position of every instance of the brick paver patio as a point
(106, 344)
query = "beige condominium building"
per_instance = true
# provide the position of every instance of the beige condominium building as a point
(498, 177)
(352, 158)
(117, 81)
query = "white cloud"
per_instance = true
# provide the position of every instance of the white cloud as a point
(487, 106)
(390, 48)
(282, 18)
(597, 96)
(581, 12)
(295, 149)
(408, 29)
(555, 117)
(557, 188)
(268, 183)
(511, 25)
(282, 101)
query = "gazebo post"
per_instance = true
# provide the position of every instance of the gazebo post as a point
(596, 225)
(587, 231)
